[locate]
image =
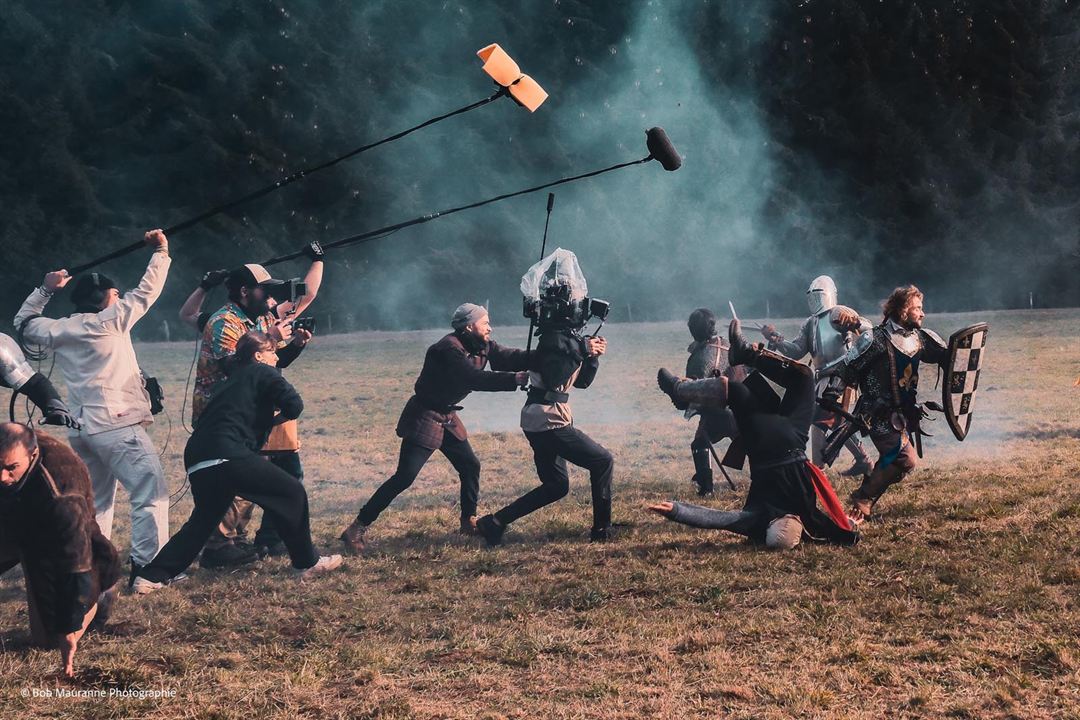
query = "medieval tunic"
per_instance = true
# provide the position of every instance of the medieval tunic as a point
(453, 367)
(47, 525)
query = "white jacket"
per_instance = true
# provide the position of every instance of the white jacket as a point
(95, 355)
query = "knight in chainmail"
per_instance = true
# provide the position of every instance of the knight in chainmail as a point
(826, 336)
(884, 363)
(708, 358)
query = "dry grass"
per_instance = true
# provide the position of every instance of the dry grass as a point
(961, 602)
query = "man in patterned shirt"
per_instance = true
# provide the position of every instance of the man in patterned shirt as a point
(250, 307)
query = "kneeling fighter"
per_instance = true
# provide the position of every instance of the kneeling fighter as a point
(781, 505)
(47, 525)
(453, 367)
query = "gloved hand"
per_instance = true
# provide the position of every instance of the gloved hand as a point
(844, 318)
(61, 418)
(769, 333)
(213, 278)
(315, 251)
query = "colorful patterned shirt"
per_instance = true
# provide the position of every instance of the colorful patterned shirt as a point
(223, 330)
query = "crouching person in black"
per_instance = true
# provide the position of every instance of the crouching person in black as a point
(563, 359)
(785, 488)
(47, 525)
(222, 460)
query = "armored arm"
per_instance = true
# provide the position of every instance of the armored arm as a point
(935, 350)
(15, 371)
(850, 366)
(798, 348)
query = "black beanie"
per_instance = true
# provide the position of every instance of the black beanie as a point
(90, 290)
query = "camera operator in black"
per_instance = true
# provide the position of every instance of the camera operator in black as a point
(563, 359)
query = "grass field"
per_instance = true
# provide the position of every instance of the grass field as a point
(963, 600)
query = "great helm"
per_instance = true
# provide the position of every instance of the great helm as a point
(821, 295)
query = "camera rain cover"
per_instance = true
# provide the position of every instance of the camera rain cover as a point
(559, 268)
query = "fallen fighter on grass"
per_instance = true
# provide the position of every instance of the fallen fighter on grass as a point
(785, 488)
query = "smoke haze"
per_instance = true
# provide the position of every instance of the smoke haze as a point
(881, 145)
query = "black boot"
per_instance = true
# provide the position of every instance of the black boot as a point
(703, 473)
(740, 351)
(601, 534)
(781, 369)
(491, 529)
(668, 381)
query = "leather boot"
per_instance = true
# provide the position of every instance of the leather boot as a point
(781, 369)
(703, 473)
(666, 381)
(353, 537)
(872, 488)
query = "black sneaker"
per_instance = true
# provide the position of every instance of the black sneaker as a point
(228, 556)
(601, 535)
(275, 548)
(491, 529)
(135, 568)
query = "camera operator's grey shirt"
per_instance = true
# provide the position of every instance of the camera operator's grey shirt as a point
(540, 417)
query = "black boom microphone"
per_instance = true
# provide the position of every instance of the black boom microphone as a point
(282, 182)
(660, 149)
(508, 77)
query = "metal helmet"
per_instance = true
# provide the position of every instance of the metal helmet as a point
(821, 295)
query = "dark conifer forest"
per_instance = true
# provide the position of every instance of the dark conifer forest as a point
(934, 142)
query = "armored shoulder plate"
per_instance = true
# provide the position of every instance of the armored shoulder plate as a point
(932, 337)
(14, 370)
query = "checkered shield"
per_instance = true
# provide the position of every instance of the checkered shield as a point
(967, 353)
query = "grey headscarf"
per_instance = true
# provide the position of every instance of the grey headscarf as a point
(467, 314)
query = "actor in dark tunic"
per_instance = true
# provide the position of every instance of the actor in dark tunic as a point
(47, 525)
(453, 368)
(782, 504)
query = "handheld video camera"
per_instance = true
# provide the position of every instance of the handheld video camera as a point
(288, 291)
(556, 309)
(304, 323)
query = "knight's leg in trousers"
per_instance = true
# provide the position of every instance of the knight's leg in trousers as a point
(817, 444)
(897, 460)
(741, 522)
(554, 480)
(710, 392)
(411, 460)
(461, 456)
(855, 447)
(699, 450)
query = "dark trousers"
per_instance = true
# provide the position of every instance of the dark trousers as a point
(411, 459)
(552, 449)
(267, 534)
(277, 492)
